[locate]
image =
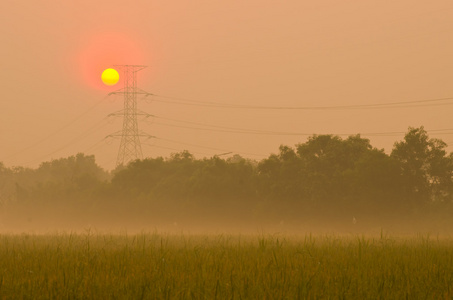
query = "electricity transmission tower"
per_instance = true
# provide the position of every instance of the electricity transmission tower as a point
(130, 146)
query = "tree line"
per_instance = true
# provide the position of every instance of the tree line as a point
(325, 175)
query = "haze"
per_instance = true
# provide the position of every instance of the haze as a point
(292, 53)
(232, 82)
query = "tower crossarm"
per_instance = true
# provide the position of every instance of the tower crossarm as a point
(138, 113)
(122, 92)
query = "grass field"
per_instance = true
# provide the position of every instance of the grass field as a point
(161, 266)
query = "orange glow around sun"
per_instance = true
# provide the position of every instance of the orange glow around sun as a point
(103, 51)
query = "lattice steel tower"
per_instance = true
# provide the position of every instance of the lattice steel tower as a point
(130, 146)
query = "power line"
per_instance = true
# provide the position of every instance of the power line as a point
(217, 128)
(83, 135)
(247, 131)
(60, 129)
(387, 105)
(226, 129)
(394, 133)
(207, 125)
(95, 146)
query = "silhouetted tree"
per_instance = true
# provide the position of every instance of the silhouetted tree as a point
(425, 166)
(326, 174)
(6, 184)
(60, 180)
(327, 161)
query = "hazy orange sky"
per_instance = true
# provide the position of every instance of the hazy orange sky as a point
(249, 52)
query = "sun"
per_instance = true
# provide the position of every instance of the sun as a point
(110, 76)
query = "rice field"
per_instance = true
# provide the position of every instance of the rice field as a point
(185, 266)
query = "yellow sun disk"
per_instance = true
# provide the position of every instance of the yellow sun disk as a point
(110, 76)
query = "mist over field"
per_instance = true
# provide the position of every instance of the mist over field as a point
(325, 185)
